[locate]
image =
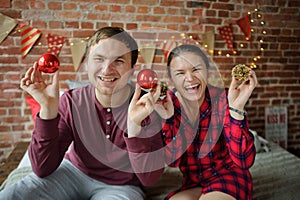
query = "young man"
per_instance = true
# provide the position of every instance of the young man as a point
(113, 133)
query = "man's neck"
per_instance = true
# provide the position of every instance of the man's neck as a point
(114, 100)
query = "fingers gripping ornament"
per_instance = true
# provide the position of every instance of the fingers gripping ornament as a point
(48, 63)
(147, 79)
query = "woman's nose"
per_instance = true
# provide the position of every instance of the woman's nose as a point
(189, 76)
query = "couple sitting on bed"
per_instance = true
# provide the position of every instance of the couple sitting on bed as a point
(121, 141)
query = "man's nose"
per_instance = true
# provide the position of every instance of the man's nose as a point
(106, 67)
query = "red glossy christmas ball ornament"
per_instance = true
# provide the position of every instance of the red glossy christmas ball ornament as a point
(147, 78)
(48, 63)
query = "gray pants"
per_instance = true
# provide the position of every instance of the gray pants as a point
(68, 183)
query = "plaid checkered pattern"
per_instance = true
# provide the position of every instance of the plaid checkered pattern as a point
(216, 152)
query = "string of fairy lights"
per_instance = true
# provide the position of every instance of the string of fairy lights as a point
(256, 39)
(257, 35)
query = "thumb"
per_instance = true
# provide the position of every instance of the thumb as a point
(137, 93)
(233, 84)
(55, 80)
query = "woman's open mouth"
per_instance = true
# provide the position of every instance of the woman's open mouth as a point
(192, 88)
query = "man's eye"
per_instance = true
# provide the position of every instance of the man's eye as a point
(119, 61)
(99, 59)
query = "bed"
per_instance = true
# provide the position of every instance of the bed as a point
(276, 174)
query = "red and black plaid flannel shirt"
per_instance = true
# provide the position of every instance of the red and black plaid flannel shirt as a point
(210, 147)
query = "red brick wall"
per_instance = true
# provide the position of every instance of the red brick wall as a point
(278, 68)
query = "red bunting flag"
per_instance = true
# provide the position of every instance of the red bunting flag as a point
(245, 25)
(29, 36)
(226, 34)
(188, 41)
(55, 43)
(167, 46)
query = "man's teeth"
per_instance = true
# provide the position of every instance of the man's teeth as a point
(107, 79)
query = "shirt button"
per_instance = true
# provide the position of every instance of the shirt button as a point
(108, 109)
(107, 136)
(108, 122)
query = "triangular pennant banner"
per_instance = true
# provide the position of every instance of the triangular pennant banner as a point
(55, 43)
(29, 36)
(226, 34)
(245, 25)
(147, 52)
(7, 24)
(167, 46)
(208, 41)
(77, 49)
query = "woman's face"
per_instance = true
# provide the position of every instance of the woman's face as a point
(109, 66)
(189, 76)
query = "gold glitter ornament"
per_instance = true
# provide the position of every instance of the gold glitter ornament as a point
(240, 72)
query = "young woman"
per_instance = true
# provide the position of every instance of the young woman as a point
(208, 136)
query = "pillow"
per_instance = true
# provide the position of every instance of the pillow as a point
(34, 106)
(76, 84)
(261, 145)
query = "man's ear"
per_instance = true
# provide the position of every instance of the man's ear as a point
(135, 67)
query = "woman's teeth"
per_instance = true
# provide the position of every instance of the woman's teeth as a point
(192, 87)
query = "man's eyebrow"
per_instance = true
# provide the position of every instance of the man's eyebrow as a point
(116, 57)
(99, 55)
(121, 56)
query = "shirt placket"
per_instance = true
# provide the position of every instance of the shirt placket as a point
(108, 118)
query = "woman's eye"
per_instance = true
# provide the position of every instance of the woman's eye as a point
(197, 69)
(179, 74)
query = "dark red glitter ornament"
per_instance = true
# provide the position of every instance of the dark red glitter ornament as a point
(48, 63)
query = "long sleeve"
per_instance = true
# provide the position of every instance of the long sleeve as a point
(240, 142)
(47, 147)
(146, 152)
(173, 143)
(100, 147)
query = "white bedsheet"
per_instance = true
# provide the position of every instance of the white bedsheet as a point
(276, 176)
